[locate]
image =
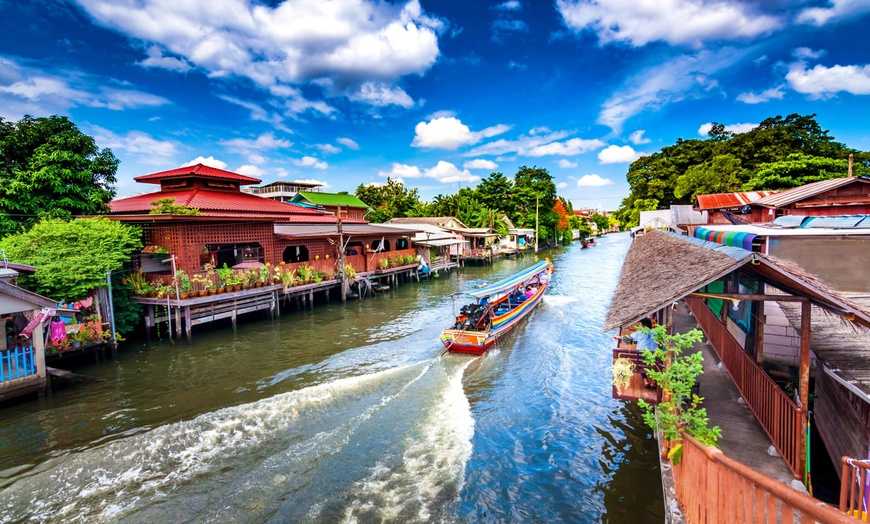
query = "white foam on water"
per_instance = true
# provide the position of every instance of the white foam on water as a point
(104, 483)
(559, 300)
(432, 466)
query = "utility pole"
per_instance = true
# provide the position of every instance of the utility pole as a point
(536, 224)
(341, 275)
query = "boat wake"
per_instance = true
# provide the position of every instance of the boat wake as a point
(335, 443)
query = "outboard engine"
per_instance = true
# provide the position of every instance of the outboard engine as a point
(469, 316)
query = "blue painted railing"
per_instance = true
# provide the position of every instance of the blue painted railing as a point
(17, 363)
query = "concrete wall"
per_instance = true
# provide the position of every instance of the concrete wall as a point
(782, 342)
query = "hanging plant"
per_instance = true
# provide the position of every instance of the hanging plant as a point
(623, 370)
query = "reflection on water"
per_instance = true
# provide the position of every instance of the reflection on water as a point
(345, 414)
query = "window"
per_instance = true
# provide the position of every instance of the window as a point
(402, 243)
(381, 245)
(295, 254)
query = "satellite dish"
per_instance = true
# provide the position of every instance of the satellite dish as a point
(745, 209)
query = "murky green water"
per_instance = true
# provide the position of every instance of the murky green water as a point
(345, 414)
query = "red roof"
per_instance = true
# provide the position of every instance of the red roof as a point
(217, 203)
(729, 200)
(197, 170)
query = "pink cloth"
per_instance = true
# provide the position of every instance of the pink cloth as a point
(58, 331)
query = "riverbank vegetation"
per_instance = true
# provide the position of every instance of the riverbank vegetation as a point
(779, 153)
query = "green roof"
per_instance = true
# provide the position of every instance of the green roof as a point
(328, 199)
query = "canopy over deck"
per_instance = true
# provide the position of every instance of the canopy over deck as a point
(510, 282)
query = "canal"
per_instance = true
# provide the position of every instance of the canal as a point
(346, 414)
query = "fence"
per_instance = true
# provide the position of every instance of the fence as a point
(854, 489)
(782, 419)
(16, 363)
(714, 488)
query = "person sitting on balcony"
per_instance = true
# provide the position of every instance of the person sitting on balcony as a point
(645, 341)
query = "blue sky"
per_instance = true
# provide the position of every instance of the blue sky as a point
(435, 93)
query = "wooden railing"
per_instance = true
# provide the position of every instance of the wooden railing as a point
(782, 419)
(854, 489)
(711, 487)
(17, 362)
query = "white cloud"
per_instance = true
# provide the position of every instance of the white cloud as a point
(259, 114)
(666, 83)
(444, 172)
(310, 161)
(839, 10)
(327, 149)
(158, 60)
(313, 181)
(685, 22)
(618, 155)
(252, 149)
(348, 143)
(510, 5)
(593, 181)
(637, 138)
(732, 128)
(480, 163)
(451, 133)
(345, 43)
(40, 90)
(562, 185)
(207, 161)
(566, 164)
(250, 170)
(823, 82)
(534, 144)
(572, 147)
(805, 53)
(382, 95)
(147, 149)
(774, 93)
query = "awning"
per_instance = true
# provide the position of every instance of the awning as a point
(510, 282)
(726, 238)
(440, 243)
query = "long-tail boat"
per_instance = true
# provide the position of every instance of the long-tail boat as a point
(496, 309)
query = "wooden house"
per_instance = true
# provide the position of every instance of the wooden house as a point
(727, 289)
(351, 206)
(837, 196)
(434, 244)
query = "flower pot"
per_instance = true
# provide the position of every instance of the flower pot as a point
(212, 291)
(76, 344)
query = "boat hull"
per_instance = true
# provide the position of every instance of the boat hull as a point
(477, 342)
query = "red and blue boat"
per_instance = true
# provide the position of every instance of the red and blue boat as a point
(497, 308)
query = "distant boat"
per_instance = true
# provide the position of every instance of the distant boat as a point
(496, 309)
(584, 244)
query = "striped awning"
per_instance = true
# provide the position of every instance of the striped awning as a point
(726, 238)
(510, 282)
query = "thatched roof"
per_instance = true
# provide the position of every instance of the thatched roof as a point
(661, 268)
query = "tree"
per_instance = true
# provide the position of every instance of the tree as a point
(534, 189)
(799, 169)
(602, 222)
(72, 258)
(388, 201)
(48, 168)
(491, 191)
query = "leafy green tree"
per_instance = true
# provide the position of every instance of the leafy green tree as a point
(492, 190)
(48, 168)
(602, 222)
(720, 174)
(388, 200)
(72, 258)
(534, 189)
(799, 169)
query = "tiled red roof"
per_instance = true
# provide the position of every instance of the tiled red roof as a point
(729, 200)
(200, 170)
(216, 203)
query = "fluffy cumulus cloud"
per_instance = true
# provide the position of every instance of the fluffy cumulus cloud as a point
(348, 143)
(345, 44)
(566, 164)
(669, 82)
(327, 149)
(774, 93)
(310, 161)
(250, 170)
(206, 161)
(732, 128)
(539, 142)
(618, 155)
(685, 22)
(444, 172)
(838, 10)
(562, 185)
(593, 181)
(147, 149)
(259, 114)
(451, 133)
(637, 138)
(313, 181)
(823, 82)
(157, 59)
(28, 88)
(252, 149)
(480, 163)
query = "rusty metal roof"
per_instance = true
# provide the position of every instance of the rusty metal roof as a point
(796, 194)
(198, 170)
(729, 200)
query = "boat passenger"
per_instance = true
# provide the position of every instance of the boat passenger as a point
(645, 341)
(530, 292)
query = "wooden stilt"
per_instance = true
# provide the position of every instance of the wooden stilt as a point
(233, 318)
(187, 326)
(311, 299)
(178, 323)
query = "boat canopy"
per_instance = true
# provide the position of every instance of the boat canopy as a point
(508, 283)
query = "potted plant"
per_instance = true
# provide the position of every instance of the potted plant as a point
(288, 277)
(264, 275)
(349, 272)
(623, 370)
(383, 263)
(304, 273)
(137, 282)
(318, 277)
(224, 274)
(185, 285)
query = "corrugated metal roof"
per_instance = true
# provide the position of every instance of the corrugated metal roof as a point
(834, 222)
(329, 199)
(796, 194)
(198, 170)
(730, 200)
(301, 231)
(209, 201)
(790, 220)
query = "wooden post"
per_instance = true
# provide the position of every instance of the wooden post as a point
(851, 158)
(806, 317)
(178, 323)
(341, 275)
(187, 327)
(2, 334)
(311, 299)
(759, 331)
(233, 316)
(38, 348)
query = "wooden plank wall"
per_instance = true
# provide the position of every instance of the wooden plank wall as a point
(841, 419)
